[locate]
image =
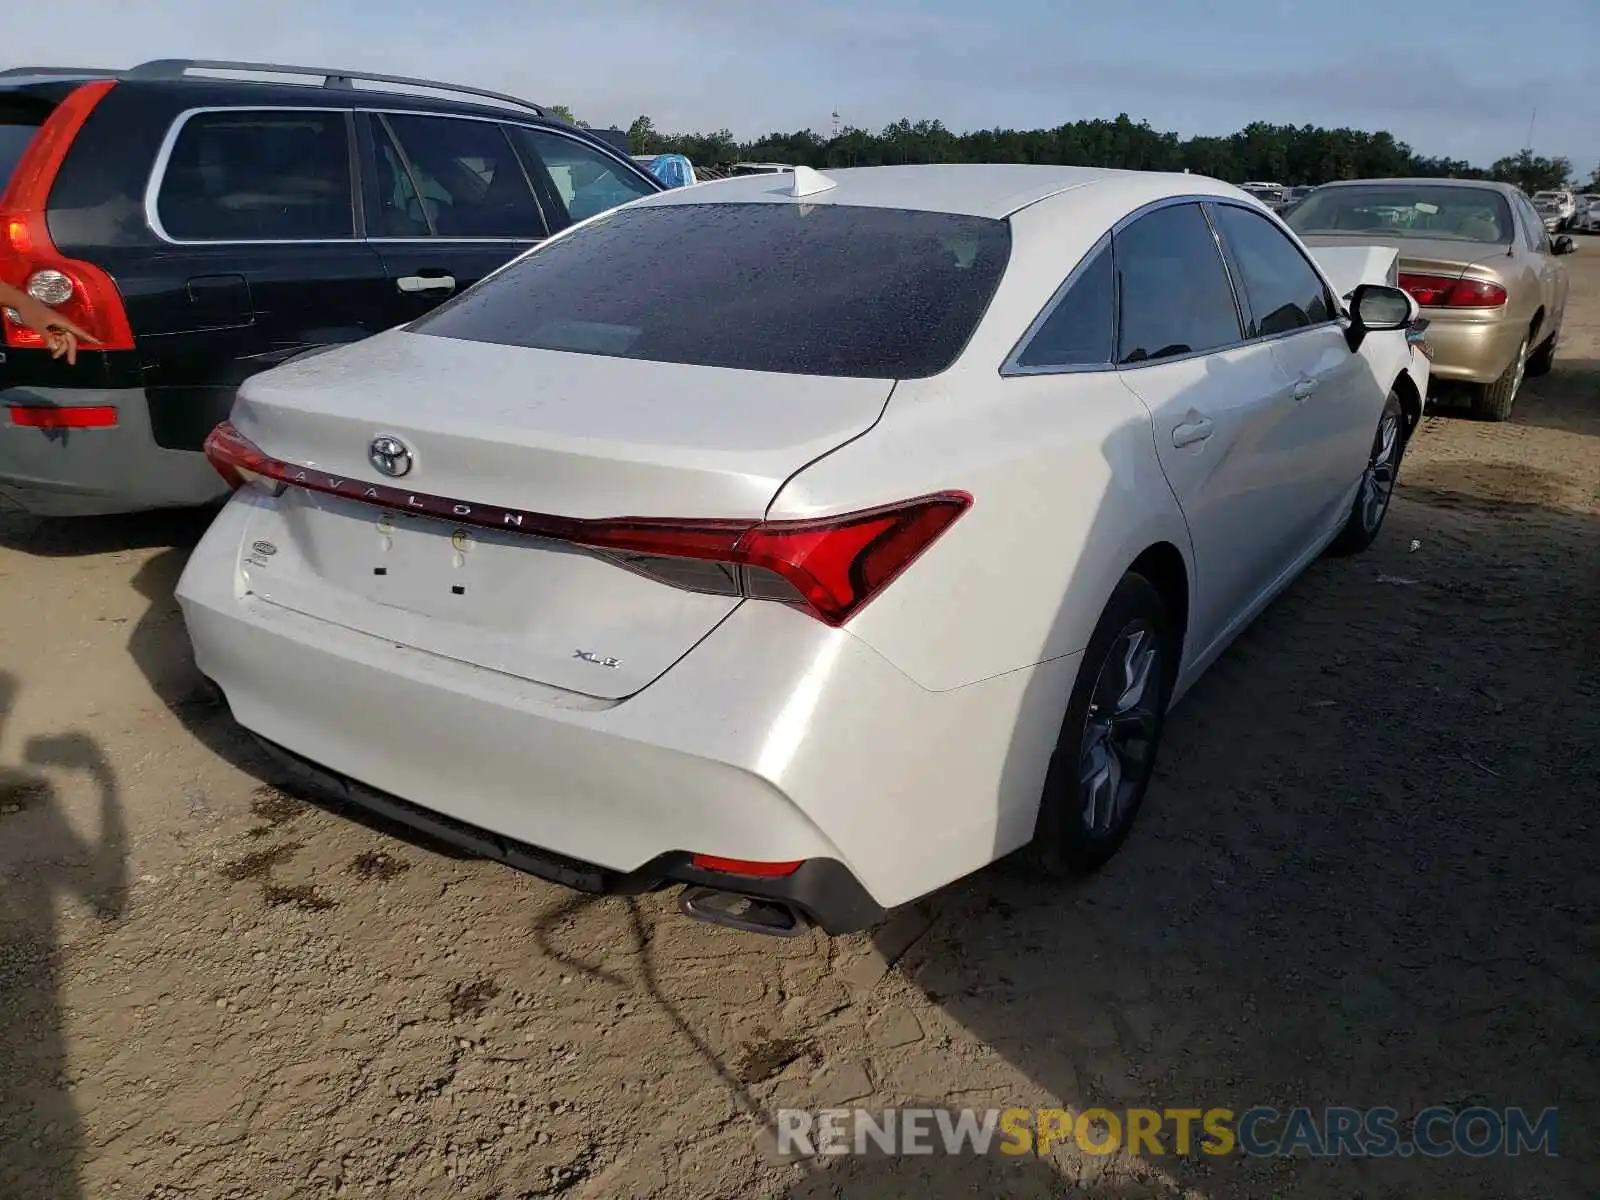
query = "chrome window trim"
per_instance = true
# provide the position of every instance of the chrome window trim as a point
(381, 123)
(1335, 301)
(457, 241)
(1241, 298)
(1199, 201)
(379, 120)
(1013, 366)
(522, 122)
(158, 171)
(158, 174)
(1012, 369)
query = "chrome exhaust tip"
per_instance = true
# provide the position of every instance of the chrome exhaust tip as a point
(752, 914)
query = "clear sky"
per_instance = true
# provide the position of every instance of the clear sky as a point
(1451, 77)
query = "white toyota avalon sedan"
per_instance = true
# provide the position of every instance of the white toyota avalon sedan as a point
(809, 541)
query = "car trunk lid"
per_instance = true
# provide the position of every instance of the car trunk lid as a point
(504, 430)
(1443, 257)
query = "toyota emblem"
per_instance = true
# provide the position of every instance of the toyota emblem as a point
(389, 455)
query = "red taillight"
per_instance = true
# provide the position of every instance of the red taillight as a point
(1441, 291)
(828, 566)
(79, 291)
(239, 461)
(51, 416)
(741, 866)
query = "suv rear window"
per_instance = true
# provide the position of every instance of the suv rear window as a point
(792, 288)
(20, 118)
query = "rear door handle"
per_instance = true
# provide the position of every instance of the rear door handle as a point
(426, 283)
(1304, 388)
(1191, 432)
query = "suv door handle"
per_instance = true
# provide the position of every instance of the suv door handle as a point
(1191, 432)
(426, 283)
(1304, 388)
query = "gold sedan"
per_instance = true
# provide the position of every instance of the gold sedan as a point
(1475, 255)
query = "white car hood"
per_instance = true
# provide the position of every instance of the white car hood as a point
(1347, 267)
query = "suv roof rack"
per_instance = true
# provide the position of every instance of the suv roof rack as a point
(59, 72)
(177, 68)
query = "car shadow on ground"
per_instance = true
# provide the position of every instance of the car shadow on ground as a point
(159, 645)
(1364, 873)
(43, 859)
(1567, 399)
(73, 537)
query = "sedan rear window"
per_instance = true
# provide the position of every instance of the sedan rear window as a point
(1463, 214)
(799, 289)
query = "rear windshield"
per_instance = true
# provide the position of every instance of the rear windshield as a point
(1461, 214)
(793, 288)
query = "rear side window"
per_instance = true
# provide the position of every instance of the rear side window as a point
(1174, 292)
(259, 176)
(818, 289)
(580, 180)
(1081, 329)
(14, 139)
(20, 118)
(451, 177)
(1285, 293)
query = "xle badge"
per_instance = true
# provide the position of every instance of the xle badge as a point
(589, 656)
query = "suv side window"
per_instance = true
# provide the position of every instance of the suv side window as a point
(259, 175)
(1081, 330)
(1174, 294)
(450, 177)
(1284, 292)
(577, 178)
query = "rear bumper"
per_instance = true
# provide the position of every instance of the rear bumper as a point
(776, 739)
(1472, 351)
(822, 889)
(92, 472)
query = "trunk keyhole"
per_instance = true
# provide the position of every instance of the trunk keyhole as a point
(458, 589)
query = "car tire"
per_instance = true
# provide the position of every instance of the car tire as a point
(1494, 401)
(1106, 751)
(1542, 359)
(1376, 492)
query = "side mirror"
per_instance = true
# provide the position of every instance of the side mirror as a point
(1563, 245)
(1375, 308)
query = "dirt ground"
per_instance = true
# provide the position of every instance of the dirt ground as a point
(1366, 875)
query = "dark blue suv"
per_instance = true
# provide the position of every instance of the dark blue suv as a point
(205, 228)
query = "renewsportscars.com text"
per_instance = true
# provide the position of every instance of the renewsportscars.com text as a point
(1259, 1132)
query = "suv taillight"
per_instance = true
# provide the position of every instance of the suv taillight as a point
(1441, 291)
(828, 567)
(79, 291)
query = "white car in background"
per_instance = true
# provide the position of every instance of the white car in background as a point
(868, 545)
(1587, 219)
(1557, 207)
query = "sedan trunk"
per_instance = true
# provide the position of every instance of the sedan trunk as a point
(539, 432)
(1445, 257)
